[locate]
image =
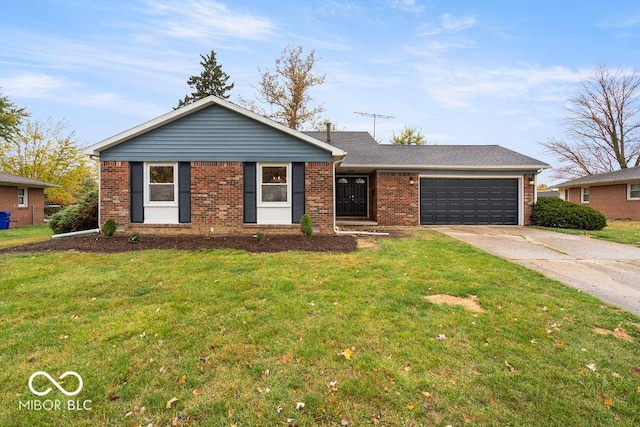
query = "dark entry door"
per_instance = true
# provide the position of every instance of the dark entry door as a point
(468, 201)
(351, 196)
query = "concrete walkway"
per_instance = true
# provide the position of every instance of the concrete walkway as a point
(609, 271)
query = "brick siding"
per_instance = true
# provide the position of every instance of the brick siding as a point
(21, 216)
(216, 196)
(611, 200)
(216, 199)
(318, 190)
(115, 198)
(529, 195)
(397, 199)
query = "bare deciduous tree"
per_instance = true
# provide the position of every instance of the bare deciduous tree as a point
(602, 126)
(286, 89)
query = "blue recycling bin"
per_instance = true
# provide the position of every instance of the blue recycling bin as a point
(5, 217)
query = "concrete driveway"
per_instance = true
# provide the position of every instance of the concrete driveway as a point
(609, 271)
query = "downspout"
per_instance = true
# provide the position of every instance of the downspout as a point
(335, 227)
(97, 159)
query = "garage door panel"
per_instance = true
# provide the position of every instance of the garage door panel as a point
(468, 201)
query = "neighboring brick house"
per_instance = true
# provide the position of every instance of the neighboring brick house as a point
(214, 167)
(615, 194)
(24, 198)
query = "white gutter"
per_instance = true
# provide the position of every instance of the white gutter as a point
(75, 233)
(335, 227)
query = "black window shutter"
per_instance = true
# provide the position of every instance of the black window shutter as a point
(184, 192)
(250, 193)
(297, 190)
(136, 181)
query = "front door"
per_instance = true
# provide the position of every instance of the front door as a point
(351, 196)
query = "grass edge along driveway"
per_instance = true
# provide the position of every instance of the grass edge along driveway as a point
(220, 337)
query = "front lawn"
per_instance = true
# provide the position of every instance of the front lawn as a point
(23, 235)
(223, 337)
(621, 231)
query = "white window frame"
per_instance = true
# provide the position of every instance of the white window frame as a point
(24, 197)
(582, 194)
(629, 190)
(147, 183)
(259, 185)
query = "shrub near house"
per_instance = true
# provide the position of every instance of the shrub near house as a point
(554, 212)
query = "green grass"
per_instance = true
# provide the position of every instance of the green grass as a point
(621, 231)
(240, 339)
(23, 235)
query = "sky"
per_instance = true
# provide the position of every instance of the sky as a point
(461, 71)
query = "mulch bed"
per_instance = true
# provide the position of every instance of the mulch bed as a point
(122, 243)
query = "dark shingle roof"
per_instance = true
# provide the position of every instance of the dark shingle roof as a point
(622, 175)
(15, 180)
(363, 150)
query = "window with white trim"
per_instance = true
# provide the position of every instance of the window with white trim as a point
(274, 185)
(633, 191)
(584, 198)
(161, 184)
(23, 198)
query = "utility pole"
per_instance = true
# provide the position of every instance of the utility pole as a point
(375, 116)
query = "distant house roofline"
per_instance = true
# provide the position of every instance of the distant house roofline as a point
(620, 176)
(10, 180)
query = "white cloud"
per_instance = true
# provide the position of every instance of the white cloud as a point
(461, 86)
(452, 24)
(407, 5)
(206, 20)
(33, 85)
(449, 24)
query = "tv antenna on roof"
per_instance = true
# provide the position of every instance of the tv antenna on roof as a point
(375, 116)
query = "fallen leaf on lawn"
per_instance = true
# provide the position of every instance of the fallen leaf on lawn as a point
(466, 418)
(426, 394)
(426, 403)
(171, 402)
(592, 367)
(441, 337)
(258, 414)
(259, 389)
(113, 397)
(345, 422)
(453, 381)
(175, 422)
(31, 357)
(266, 373)
(476, 372)
(508, 365)
(635, 370)
(182, 379)
(128, 414)
(331, 385)
(375, 421)
(559, 343)
(196, 392)
(299, 405)
(616, 375)
(407, 368)
(608, 402)
(346, 353)
(410, 405)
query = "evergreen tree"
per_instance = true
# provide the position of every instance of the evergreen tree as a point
(10, 118)
(212, 81)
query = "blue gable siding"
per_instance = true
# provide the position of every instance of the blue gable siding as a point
(215, 134)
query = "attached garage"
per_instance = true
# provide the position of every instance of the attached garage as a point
(479, 201)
